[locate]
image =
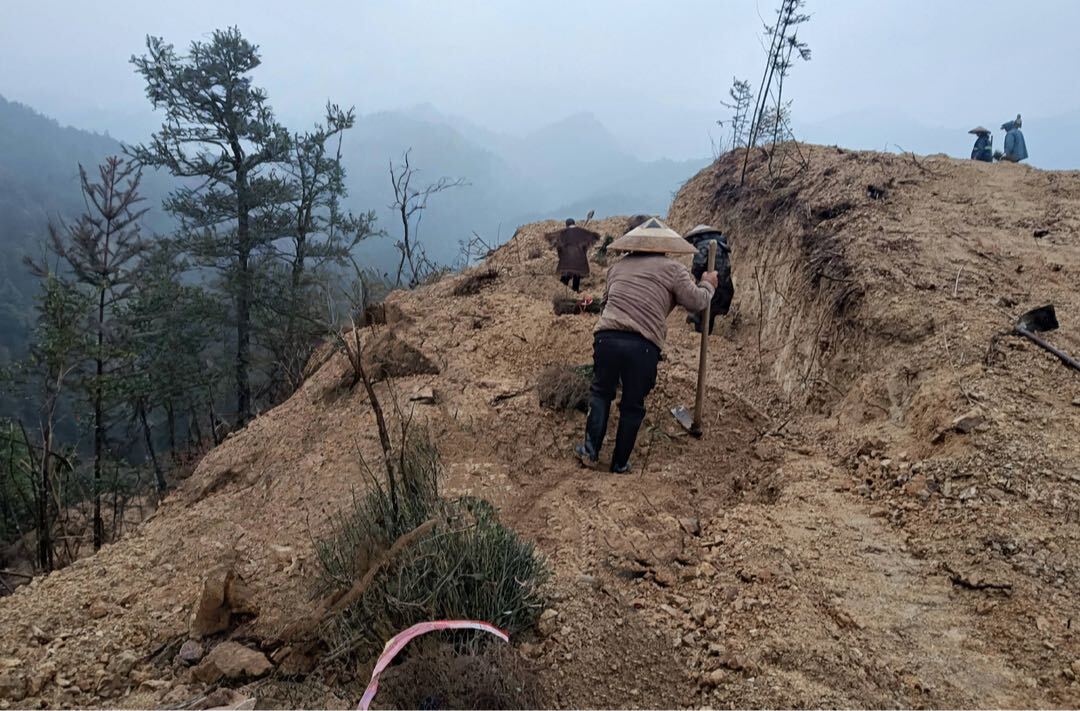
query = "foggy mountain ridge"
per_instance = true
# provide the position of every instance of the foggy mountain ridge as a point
(567, 168)
(1051, 141)
(39, 182)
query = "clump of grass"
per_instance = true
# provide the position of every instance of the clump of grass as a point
(565, 387)
(465, 565)
(473, 283)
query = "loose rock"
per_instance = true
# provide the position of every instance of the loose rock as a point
(713, 678)
(190, 652)
(13, 686)
(691, 524)
(122, 663)
(969, 421)
(698, 611)
(230, 660)
(548, 622)
(224, 594)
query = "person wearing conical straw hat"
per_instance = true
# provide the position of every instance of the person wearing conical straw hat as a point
(1015, 147)
(642, 289)
(984, 145)
(700, 237)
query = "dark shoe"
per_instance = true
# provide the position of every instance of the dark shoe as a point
(620, 468)
(587, 460)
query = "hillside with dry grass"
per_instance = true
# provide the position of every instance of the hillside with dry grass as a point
(884, 509)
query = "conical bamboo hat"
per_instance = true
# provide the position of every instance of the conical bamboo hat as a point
(977, 130)
(701, 230)
(654, 237)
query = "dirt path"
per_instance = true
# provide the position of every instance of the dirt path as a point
(901, 619)
(810, 600)
(792, 557)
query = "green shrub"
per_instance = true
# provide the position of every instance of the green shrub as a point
(468, 566)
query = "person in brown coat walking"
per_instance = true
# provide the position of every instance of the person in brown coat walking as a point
(572, 244)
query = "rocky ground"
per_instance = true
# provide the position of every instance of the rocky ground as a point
(884, 509)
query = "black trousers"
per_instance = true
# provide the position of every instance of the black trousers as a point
(568, 278)
(626, 358)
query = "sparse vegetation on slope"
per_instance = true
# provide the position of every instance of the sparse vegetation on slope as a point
(875, 516)
(437, 559)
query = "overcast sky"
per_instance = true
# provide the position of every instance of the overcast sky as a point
(654, 71)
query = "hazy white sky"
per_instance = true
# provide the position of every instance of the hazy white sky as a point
(654, 71)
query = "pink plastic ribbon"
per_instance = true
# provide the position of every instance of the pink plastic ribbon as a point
(398, 642)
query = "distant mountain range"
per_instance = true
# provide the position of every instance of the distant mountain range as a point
(39, 182)
(565, 169)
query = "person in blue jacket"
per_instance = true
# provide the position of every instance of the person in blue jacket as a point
(984, 145)
(1015, 148)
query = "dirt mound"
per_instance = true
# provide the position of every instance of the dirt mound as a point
(440, 677)
(835, 537)
(388, 356)
(381, 314)
(474, 281)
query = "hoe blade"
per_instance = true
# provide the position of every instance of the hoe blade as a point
(1038, 320)
(686, 419)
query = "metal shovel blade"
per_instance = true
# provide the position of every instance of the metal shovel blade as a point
(1043, 319)
(1038, 320)
(686, 419)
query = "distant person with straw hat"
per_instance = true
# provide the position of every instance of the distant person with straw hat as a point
(984, 145)
(642, 289)
(1015, 147)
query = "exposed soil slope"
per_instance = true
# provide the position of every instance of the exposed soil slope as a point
(829, 541)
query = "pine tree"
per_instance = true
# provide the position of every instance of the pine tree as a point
(220, 129)
(174, 326)
(322, 236)
(741, 97)
(102, 249)
(59, 346)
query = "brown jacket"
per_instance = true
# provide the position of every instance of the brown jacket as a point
(643, 289)
(572, 244)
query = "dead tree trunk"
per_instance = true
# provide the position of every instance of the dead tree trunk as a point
(159, 475)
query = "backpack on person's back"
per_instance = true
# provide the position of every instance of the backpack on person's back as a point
(700, 237)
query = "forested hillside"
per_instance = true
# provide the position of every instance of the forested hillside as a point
(162, 292)
(39, 181)
(571, 166)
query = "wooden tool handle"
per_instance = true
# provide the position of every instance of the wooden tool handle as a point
(1037, 340)
(705, 317)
